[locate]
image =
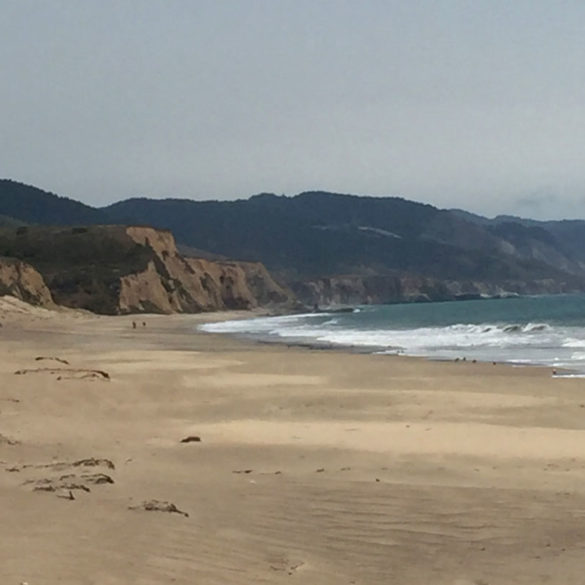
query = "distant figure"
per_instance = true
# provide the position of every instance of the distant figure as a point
(133, 324)
(144, 323)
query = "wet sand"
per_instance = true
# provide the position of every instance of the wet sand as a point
(317, 467)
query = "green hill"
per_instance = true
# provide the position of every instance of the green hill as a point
(317, 235)
(7, 221)
(31, 205)
(82, 266)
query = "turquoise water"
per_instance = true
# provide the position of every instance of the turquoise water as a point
(545, 330)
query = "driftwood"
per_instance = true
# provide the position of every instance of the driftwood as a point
(55, 359)
(159, 506)
(97, 478)
(69, 496)
(60, 371)
(70, 481)
(62, 465)
(93, 462)
(191, 439)
(53, 485)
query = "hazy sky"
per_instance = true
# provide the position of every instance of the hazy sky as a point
(472, 104)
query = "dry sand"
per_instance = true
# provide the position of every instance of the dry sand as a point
(314, 467)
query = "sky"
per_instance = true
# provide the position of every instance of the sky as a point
(475, 104)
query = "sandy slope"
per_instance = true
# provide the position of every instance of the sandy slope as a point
(314, 467)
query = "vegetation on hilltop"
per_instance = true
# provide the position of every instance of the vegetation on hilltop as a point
(33, 205)
(82, 266)
(318, 234)
(7, 221)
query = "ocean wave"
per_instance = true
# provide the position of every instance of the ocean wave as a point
(573, 342)
(259, 324)
(452, 336)
(529, 342)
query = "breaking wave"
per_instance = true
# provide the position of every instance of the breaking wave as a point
(403, 330)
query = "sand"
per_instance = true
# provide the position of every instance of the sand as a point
(317, 467)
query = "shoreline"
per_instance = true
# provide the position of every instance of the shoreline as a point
(555, 371)
(322, 466)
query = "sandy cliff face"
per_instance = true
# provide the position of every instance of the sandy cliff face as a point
(239, 285)
(263, 287)
(224, 284)
(172, 283)
(23, 282)
(352, 290)
(145, 292)
(380, 289)
(118, 269)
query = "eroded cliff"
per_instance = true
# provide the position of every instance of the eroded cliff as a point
(172, 283)
(22, 281)
(400, 288)
(119, 269)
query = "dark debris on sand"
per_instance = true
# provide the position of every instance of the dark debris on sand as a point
(159, 506)
(191, 439)
(55, 359)
(66, 373)
(74, 476)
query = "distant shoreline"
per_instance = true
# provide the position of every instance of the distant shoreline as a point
(372, 351)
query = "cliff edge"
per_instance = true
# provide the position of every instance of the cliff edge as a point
(172, 283)
(119, 270)
(404, 288)
(20, 280)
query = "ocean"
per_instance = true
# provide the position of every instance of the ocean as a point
(539, 330)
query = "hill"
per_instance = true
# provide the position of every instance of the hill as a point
(6, 221)
(31, 205)
(345, 244)
(319, 234)
(118, 269)
(568, 234)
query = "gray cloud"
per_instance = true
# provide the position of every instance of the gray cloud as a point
(458, 103)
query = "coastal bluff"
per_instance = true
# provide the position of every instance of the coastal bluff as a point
(121, 270)
(20, 280)
(379, 289)
(328, 249)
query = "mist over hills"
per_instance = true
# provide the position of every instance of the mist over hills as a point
(318, 240)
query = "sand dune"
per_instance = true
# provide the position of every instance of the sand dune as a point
(313, 467)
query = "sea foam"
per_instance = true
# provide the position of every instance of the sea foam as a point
(403, 330)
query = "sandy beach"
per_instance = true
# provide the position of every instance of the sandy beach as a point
(306, 466)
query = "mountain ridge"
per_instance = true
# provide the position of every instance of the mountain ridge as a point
(315, 235)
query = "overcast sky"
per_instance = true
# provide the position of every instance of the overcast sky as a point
(458, 103)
